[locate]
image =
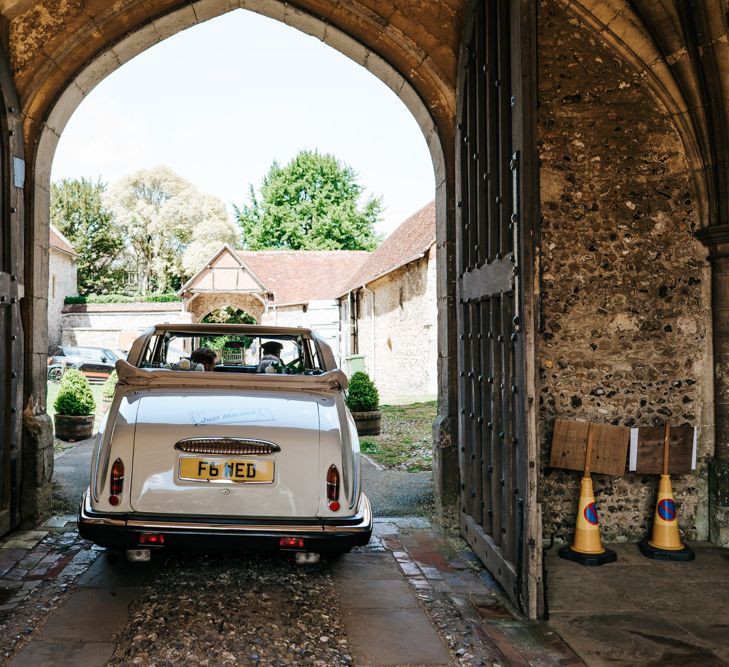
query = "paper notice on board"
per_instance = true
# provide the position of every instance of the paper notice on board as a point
(633, 453)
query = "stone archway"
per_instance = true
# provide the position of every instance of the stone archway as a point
(412, 50)
(199, 305)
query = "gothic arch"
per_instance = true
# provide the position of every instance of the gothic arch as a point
(681, 52)
(412, 50)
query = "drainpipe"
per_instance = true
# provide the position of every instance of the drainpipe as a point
(374, 349)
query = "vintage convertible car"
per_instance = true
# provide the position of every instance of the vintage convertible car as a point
(231, 456)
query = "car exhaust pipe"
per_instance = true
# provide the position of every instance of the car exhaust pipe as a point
(307, 557)
(139, 555)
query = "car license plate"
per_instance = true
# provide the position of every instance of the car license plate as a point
(234, 470)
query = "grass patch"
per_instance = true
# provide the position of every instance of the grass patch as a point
(406, 441)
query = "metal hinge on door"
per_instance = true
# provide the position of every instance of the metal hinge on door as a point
(515, 207)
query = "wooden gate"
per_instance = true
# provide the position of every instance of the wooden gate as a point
(12, 177)
(497, 197)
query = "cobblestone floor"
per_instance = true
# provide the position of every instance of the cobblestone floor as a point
(37, 567)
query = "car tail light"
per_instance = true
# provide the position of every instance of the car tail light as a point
(152, 538)
(116, 485)
(291, 542)
(333, 487)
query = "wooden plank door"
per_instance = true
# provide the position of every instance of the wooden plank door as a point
(496, 208)
(12, 178)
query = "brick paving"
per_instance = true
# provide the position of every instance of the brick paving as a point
(464, 602)
(36, 569)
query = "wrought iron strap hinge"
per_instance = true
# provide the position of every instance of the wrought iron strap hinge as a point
(11, 289)
(516, 207)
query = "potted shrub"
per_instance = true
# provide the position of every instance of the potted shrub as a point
(107, 391)
(74, 405)
(363, 401)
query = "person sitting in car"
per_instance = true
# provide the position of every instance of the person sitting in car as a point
(271, 360)
(204, 356)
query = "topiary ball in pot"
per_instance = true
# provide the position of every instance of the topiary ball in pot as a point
(74, 406)
(363, 400)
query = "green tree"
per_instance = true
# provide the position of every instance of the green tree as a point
(226, 315)
(78, 213)
(158, 213)
(312, 203)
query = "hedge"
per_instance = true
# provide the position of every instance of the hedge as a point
(123, 298)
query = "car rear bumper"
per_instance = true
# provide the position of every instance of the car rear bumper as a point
(123, 531)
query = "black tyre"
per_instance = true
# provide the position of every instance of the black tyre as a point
(55, 374)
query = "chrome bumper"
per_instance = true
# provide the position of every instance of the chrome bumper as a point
(358, 525)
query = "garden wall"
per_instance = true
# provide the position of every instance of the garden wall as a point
(115, 324)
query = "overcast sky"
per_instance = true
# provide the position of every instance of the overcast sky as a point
(219, 101)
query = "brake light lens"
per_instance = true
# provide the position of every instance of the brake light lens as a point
(291, 543)
(151, 538)
(333, 488)
(116, 485)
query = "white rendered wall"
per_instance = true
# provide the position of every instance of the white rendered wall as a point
(61, 283)
(321, 316)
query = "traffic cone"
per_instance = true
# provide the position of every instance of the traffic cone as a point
(665, 542)
(587, 547)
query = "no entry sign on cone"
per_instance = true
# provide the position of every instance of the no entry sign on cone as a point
(665, 542)
(587, 547)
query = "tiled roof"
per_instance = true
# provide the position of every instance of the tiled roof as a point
(58, 240)
(410, 241)
(300, 276)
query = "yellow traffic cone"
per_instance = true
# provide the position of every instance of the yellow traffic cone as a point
(587, 547)
(665, 542)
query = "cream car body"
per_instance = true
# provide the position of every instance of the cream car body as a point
(170, 427)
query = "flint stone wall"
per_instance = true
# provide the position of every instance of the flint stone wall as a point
(625, 310)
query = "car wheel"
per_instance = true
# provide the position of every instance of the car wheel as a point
(114, 556)
(55, 374)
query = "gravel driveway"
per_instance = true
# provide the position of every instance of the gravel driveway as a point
(227, 610)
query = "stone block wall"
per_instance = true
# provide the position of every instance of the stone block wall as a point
(116, 325)
(625, 305)
(400, 350)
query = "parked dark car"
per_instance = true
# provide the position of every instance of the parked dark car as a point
(96, 363)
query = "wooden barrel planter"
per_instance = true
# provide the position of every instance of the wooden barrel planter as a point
(72, 428)
(368, 423)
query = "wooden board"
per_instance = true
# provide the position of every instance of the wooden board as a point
(569, 444)
(650, 450)
(610, 447)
